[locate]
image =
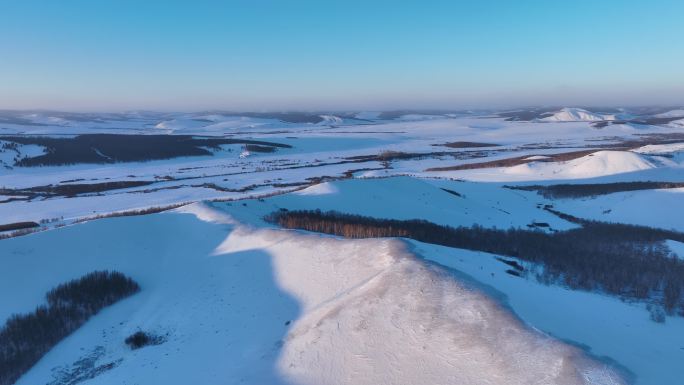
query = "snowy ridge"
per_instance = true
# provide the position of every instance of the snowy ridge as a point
(678, 113)
(660, 149)
(319, 189)
(48, 120)
(576, 115)
(597, 164)
(330, 119)
(677, 123)
(376, 307)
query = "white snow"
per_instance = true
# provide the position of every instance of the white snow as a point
(677, 123)
(409, 198)
(319, 189)
(677, 248)
(8, 156)
(678, 113)
(275, 306)
(660, 149)
(655, 208)
(619, 331)
(576, 115)
(47, 119)
(671, 154)
(242, 304)
(330, 119)
(537, 157)
(597, 164)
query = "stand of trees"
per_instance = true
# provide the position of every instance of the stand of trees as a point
(113, 148)
(18, 226)
(25, 338)
(623, 260)
(73, 189)
(594, 189)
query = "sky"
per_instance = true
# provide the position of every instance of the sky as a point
(111, 55)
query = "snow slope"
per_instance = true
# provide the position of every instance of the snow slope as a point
(391, 318)
(240, 305)
(576, 115)
(619, 331)
(677, 248)
(655, 208)
(410, 198)
(660, 149)
(678, 113)
(593, 165)
(677, 123)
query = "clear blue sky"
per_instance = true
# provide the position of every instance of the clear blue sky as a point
(290, 54)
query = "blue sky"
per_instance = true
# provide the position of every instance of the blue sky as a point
(276, 55)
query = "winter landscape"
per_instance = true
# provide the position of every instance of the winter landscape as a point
(341, 193)
(233, 290)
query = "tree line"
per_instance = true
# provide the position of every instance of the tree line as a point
(628, 261)
(25, 338)
(556, 191)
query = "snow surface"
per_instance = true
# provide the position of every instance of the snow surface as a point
(619, 332)
(677, 123)
(677, 248)
(319, 189)
(600, 164)
(678, 113)
(409, 198)
(597, 164)
(243, 303)
(655, 208)
(8, 156)
(577, 115)
(537, 157)
(240, 305)
(673, 151)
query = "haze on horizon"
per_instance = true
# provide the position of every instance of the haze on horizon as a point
(271, 55)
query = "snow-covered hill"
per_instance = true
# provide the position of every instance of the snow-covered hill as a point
(597, 164)
(240, 305)
(576, 115)
(678, 113)
(677, 123)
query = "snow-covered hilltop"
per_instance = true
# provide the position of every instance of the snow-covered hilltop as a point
(577, 115)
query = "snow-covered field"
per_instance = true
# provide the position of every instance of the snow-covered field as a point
(239, 301)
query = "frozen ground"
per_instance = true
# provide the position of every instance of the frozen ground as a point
(239, 301)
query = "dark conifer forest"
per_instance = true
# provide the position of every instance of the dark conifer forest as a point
(577, 190)
(25, 338)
